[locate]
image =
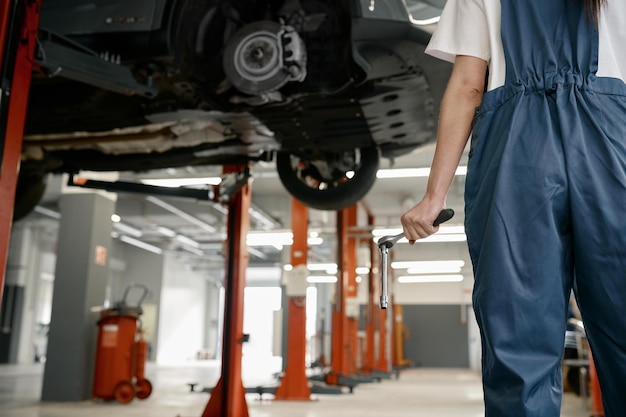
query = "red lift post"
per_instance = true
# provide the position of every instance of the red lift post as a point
(375, 359)
(294, 384)
(344, 321)
(371, 306)
(19, 21)
(228, 397)
(597, 408)
(383, 364)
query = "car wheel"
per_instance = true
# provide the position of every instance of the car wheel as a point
(30, 189)
(332, 182)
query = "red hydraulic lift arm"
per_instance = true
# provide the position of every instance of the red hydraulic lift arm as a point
(228, 397)
(18, 31)
(294, 384)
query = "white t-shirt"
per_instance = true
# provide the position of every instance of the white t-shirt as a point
(472, 27)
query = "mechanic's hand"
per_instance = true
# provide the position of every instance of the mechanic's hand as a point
(418, 221)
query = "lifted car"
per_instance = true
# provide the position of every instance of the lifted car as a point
(324, 88)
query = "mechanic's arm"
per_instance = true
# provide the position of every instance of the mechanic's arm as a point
(462, 96)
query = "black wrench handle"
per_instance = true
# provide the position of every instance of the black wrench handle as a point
(444, 216)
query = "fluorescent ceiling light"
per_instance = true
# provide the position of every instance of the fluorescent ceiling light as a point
(321, 279)
(435, 270)
(412, 172)
(445, 234)
(193, 250)
(443, 230)
(166, 232)
(115, 218)
(330, 268)
(426, 264)
(127, 229)
(182, 182)
(256, 253)
(261, 217)
(315, 241)
(441, 238)
(141, 245)
(47, 212)
(269, 239)
(276, 239)
(180, 213)
(429, 267)
(420, 279)
(187, 241)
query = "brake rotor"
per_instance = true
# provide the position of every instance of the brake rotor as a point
(253, 58)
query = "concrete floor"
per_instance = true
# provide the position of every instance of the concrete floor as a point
(416, 392)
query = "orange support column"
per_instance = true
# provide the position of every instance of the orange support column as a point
(18, 31)
(349, 264)
(399, 335)
(597, 409)
(344, 319)
(371, 307)
(294, 384)
(228, 396)
(383, 363)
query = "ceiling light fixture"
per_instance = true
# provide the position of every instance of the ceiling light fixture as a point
(142, 245)
(181, 182)
(445, 234)
(187, 241)
(181, 214)
(422, 279)
(430, 267)
(47, 212)
(276, 239)
(130, 230)
(413, 172)
(166, 232)
(321, 279)
(330, 268)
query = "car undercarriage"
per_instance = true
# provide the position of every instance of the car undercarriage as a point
(324, 88)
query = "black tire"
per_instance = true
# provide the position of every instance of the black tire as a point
(29, 190)
(338, 194)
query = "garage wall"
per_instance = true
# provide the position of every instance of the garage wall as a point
(438, 336)
(134, 266)
(182, 315)
(440, 321)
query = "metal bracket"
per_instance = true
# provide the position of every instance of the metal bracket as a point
(231, 184)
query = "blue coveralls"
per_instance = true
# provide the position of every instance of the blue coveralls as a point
(545, 211)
